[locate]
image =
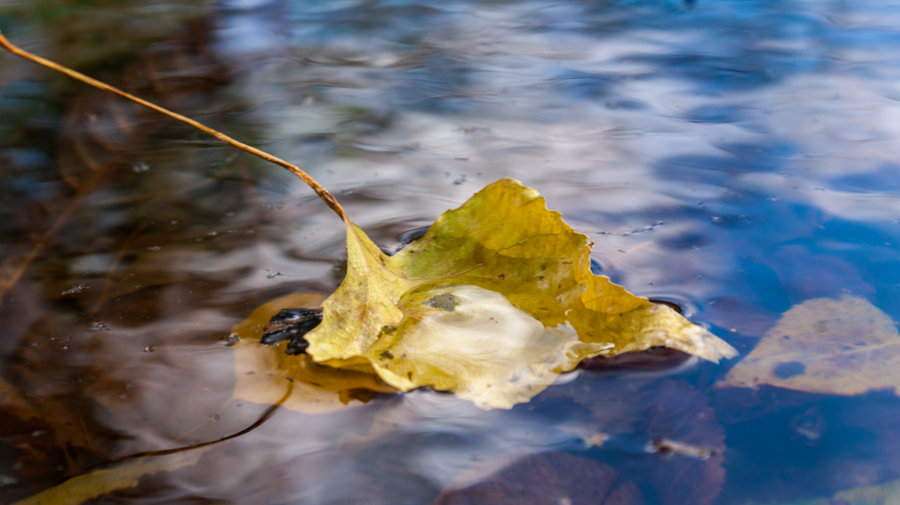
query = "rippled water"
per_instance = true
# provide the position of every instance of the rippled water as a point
(733, 157)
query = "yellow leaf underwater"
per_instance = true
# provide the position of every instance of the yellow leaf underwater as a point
(843, 346)
(492, 304)
(122, 476)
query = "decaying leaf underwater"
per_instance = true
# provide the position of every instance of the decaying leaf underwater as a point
(811, 349)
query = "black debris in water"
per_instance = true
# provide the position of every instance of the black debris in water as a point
(291, 325)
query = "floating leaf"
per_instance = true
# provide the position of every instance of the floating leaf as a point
(844, 346)
(492, 303)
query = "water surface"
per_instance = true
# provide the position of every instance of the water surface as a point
(735, 158)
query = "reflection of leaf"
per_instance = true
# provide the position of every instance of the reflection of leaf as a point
(262, 371)
(845, 346)
(100, 482)
(494, 302)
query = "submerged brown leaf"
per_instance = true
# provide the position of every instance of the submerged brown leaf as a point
(553, 477)
(844, 346)
(669, 421)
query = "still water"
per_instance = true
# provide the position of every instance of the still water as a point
(733, 157)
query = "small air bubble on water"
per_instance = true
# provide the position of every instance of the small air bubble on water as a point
(98, 326)
(149, 348)
(154, 248)
(139, 167)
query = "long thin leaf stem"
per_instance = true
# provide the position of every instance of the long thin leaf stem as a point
(323, 193)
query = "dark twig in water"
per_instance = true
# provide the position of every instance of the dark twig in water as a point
(163, 452)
